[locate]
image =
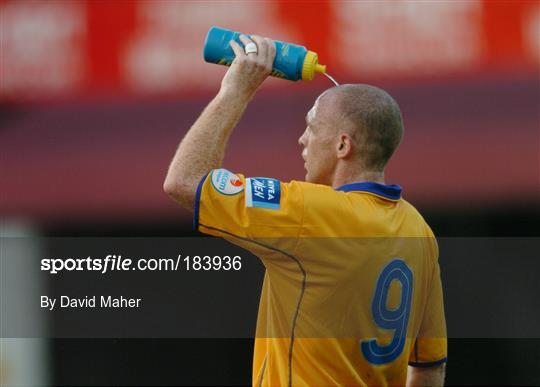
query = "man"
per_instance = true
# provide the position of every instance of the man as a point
(352, 292)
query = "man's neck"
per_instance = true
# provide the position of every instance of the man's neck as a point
(341, 179)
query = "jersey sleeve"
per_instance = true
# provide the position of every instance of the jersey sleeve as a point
(430, 346)
(230, 205)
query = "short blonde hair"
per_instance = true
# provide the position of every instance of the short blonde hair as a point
(374, 119)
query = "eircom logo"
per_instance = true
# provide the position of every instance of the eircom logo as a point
(225, 182)
(236, 181)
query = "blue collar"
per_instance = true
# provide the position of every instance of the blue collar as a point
(392, 192)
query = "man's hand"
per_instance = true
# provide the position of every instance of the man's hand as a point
(248, 71)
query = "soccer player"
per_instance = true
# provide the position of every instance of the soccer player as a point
(352, 292)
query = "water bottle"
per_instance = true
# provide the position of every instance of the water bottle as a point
(292, 62)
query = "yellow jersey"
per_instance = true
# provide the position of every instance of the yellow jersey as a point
(352, 292)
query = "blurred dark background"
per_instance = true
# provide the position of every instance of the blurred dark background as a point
(95, 97)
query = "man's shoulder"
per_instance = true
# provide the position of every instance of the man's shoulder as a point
(411, 209)
(326, 203)
(417, 217)
(311, 186)
(313, 192)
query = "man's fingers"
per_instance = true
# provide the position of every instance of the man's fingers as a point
(262, 47)
(271, 48)
(245, 41)
(238, 50)
(271, 51)
(266, 50)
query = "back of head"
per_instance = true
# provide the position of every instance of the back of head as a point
(373, 119)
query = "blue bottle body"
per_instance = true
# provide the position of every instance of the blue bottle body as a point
(287, 64)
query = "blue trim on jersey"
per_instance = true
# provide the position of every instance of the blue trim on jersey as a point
(392, 192)
(197, 200)
(429, 363)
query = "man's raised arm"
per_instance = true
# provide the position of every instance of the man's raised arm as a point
(203, 147)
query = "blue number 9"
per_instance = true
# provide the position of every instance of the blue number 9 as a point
(395, 319)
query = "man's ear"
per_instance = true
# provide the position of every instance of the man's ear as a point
(344, 146)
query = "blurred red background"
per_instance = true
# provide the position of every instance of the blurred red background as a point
(95, 97)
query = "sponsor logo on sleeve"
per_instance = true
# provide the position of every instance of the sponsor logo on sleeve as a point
(226, 183)
(263, 192)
